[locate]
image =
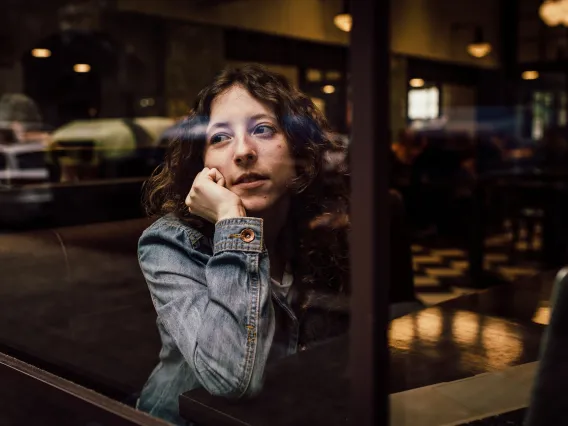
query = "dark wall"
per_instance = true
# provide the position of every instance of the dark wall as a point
(241, 45)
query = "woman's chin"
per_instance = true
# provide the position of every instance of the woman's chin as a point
(255, 206)
(259, 205)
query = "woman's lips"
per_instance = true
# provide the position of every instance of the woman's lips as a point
(251, 184)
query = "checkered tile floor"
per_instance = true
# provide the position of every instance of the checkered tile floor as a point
(441, 273)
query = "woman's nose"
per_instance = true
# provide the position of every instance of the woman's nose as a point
(245, 152)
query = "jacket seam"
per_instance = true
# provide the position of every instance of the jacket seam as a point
(252, 327)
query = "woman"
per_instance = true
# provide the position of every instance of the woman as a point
(250, 251)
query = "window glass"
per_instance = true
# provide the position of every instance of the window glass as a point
(112, 117)
(175, 202)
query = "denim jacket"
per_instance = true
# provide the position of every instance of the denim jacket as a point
(216, 312)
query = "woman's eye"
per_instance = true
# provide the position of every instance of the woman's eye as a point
(220, 137)
(264, 131)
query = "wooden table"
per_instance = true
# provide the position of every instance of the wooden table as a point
(456, 340)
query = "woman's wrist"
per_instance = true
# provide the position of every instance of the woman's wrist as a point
(233, 212)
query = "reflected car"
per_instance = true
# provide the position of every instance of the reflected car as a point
(106, 148)
(24, 192)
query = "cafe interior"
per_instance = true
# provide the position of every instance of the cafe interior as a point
(453, 123)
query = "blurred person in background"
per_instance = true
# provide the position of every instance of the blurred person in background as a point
(405, 151)
(239, 269)
(404, 178)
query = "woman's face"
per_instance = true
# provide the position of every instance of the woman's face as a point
(246, 144)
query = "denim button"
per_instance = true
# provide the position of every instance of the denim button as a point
(247, 235)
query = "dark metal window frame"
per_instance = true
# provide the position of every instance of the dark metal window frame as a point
(369, 356)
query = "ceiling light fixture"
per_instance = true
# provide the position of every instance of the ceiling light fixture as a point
(41, 53)
(479, 48)
(529, 75)
(328, 89)
(344, 20)
(416, 82)
(81, 68)
(554, 12)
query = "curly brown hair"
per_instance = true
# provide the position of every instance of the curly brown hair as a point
(318, 252)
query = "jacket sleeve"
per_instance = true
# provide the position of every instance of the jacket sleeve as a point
(217, 309)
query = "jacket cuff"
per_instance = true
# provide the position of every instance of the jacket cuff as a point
(241, 233)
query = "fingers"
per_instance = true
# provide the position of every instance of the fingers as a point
(212, 174)
(189, 198)
(219, 178)
(209, 199)
(216, 176)
(199, 184)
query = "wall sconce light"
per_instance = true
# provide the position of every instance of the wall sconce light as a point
(344, 20)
